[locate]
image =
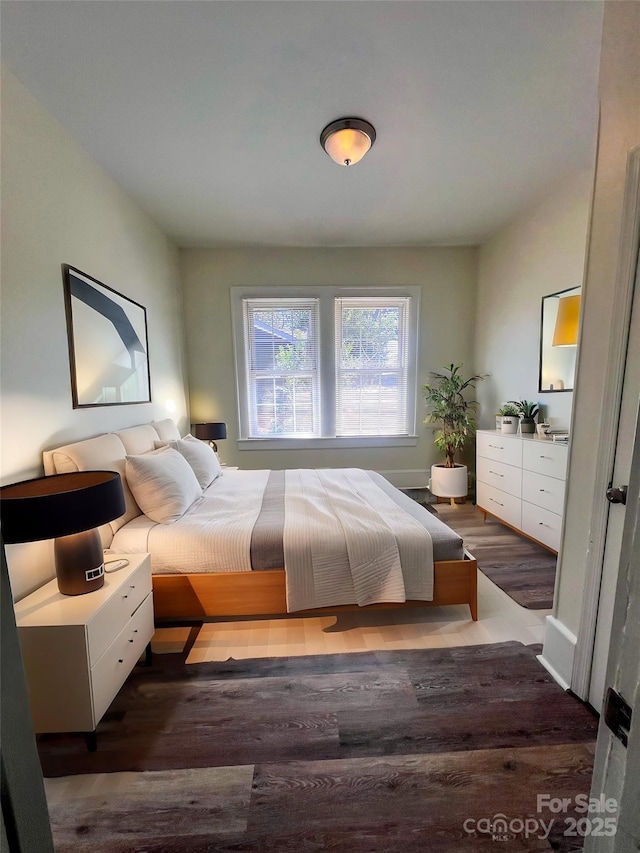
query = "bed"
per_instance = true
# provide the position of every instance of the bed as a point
(348, 538)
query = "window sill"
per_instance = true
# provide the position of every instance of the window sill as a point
(344, 442)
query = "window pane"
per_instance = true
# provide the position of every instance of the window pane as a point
(369, 337)
(371, 366)
(282, 360)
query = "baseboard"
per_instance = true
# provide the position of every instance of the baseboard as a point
(558, 652)
(410, 478)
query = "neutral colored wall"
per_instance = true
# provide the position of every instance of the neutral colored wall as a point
(619, 89)
(59, 207)
(540, 252)
(447, 277)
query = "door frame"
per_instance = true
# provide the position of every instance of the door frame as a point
(612, 773)
(608, 422)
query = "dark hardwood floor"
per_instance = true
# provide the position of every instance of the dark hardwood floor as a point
(381, 751)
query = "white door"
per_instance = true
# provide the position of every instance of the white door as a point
(617, 766)
(617, 512)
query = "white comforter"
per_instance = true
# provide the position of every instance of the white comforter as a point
(345, 540)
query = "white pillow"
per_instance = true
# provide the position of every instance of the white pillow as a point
(163, 484)
(200, 456)
(166, 429)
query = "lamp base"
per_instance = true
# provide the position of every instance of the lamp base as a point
(79, 562)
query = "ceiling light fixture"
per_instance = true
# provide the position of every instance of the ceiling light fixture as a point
(347, 140)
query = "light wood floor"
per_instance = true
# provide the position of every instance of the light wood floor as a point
(500, 619)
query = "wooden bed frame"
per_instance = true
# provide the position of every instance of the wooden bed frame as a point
(195, 597)
(192, 598)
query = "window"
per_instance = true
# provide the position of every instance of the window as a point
(371, 366)
(334, 365)
(281, 341)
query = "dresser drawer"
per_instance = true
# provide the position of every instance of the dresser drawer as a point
(111, 671)
(501, 504)
(545, 457)
(111, 618)
(500, 476)
(541, 524)
(543, 491)
(500, 448)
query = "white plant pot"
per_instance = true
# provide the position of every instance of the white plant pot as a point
(449, 482)
(510, 424)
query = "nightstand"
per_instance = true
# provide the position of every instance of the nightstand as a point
(79, 649)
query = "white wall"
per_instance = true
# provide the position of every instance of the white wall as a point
(540, 252)
(619, 92)
(59, 207)
(447, 277)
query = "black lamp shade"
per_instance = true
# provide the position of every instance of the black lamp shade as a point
(59, 505)
(210, 432)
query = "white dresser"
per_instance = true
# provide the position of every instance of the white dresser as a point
(521, 481)
(79, 649)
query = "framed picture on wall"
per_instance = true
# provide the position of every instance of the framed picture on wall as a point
(108, 347)
(559, 328)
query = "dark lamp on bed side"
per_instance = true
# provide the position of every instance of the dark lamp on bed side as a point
(211, 433)
(67, 508)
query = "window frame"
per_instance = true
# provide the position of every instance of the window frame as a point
(326, 296)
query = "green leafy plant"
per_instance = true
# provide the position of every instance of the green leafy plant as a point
(508, 410)
(450, 411)
(526, 408)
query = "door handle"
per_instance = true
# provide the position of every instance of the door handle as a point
(616, 494)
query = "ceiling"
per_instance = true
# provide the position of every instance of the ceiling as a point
(209, 113)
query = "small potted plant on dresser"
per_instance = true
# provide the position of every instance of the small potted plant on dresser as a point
(506, 409)
(510, 418)
(527, 411)
(452, 416)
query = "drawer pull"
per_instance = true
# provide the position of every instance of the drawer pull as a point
(496, 473)
(131, 641)
(545, 457)
(496, 446)
(120, 660)
(543, 490)
(125, 596)
(496, 502)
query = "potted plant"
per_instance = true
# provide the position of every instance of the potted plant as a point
(510, 418)
(506, 409)
(453, 416)
(527, 411)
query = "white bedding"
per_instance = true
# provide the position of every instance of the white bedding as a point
(341, 561)
(347, 542)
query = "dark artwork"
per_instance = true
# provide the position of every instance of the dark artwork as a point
(377, 751)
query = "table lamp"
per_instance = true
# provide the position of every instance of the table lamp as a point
(67, 508)
(211, 433)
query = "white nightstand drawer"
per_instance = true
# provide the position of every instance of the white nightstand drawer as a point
(500, 448)
(500, 476)
(547, 492)
(542, 525)
(545, 457)
(111, 618)
(498, 503)
(111, 671)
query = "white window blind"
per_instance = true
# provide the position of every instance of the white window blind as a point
(282, 367)
(372, 359)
